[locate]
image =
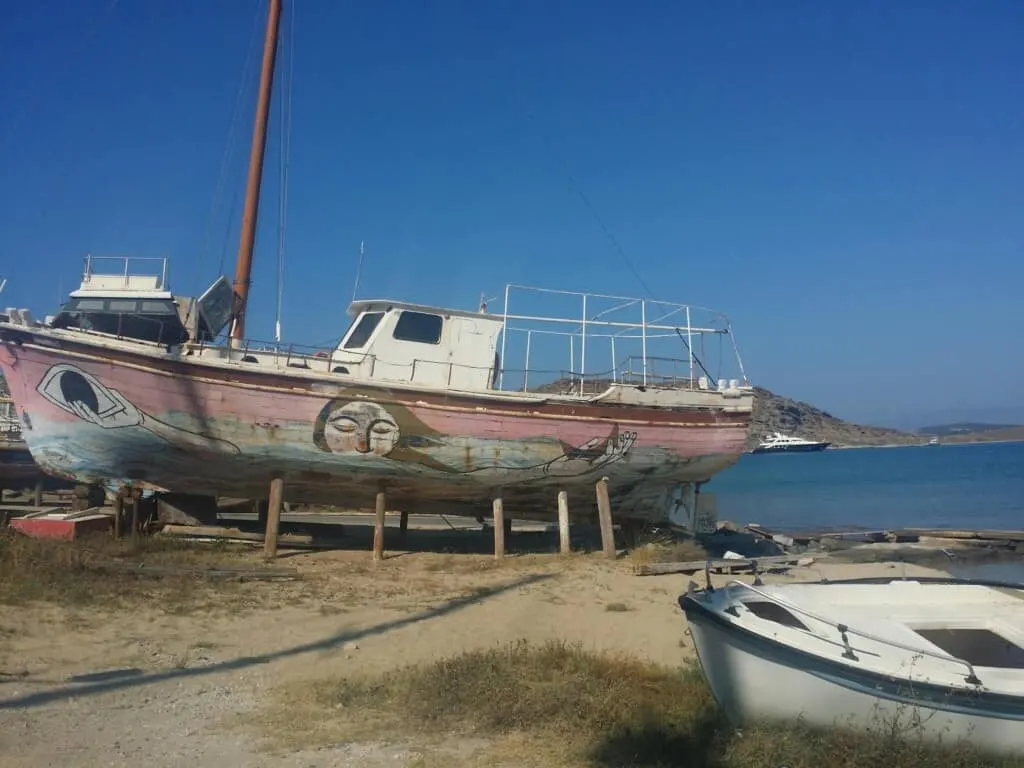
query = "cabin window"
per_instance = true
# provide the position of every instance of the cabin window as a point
(363, 330)
(88, 304)
(980, 647)
(143, 319)
(773, 612)
(418, 326)
(157, 307)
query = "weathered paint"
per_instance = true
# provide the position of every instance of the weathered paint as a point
(97, 415)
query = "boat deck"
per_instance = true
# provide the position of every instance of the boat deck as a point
(935, 632)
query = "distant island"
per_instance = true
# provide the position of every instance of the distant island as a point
(775, 413)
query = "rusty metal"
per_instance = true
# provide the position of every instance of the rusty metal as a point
(243, 268)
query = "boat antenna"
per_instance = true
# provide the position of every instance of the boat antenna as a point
(3, 282)
(243, 266)
(359, 268)
(714, 381)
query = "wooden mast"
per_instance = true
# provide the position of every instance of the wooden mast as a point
(243, 267)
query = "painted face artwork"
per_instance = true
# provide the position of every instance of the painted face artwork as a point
(79, 393)
(361, 427)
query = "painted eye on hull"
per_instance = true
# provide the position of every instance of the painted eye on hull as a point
(77, 392)
(74, 387)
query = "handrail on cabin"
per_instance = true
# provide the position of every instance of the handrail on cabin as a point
(843, 629)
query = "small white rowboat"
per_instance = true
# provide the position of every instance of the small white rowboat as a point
(942, 658)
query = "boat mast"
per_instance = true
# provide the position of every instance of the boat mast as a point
(243, 267)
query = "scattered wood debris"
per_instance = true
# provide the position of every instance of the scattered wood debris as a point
(727, 565)
(219, 533)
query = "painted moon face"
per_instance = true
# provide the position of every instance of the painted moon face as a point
(363, 428)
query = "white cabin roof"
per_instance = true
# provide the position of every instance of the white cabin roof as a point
(383, 305)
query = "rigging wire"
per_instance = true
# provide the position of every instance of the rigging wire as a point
(359, 269)
(600, 221)
(615, 243)
(285, 157)
(229, 150)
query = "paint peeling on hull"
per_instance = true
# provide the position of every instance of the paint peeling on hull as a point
(102, 421)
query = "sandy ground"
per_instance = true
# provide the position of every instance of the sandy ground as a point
(167, 685)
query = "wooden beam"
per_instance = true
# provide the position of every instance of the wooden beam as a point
(136, 496)
(273, 529)
(726, 564)
(118, 512)
(378, 526)
(498, 510)
(944, 533)
(604, 513)
(563, 523)
(290, 540)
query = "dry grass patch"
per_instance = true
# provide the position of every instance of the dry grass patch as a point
(78, 573)
(667, 549)
(558, 705)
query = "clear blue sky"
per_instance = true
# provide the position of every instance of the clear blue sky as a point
(845, 180)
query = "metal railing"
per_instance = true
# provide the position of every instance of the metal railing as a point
(845, 629)
(615, 323)
(124, 270)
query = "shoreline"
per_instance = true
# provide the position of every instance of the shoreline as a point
(923, 445)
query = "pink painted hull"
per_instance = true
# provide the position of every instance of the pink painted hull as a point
(98, 420)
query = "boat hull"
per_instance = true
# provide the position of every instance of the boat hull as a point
(755, 679)
(807, 448)
(95, 415)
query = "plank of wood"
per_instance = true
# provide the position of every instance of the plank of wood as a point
(286, 540)
(25, 510)
(804, 537)
(691, 566)
(943, 533)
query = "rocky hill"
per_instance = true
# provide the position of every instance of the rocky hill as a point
(774, 413)
(1002, 434)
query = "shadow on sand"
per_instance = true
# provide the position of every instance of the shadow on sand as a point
(104, 682)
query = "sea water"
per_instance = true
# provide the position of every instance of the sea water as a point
(945, 486)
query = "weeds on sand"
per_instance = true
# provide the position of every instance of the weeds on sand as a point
(71, 573)
(665, 549)
(556, 704)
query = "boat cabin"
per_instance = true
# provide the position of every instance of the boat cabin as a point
(141, 306)
(411, 343)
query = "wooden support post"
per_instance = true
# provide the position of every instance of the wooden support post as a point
(378, 526)
(563, 523)
(136, 496)
(604, 512)
(38, 498)
(403, 525)
(499, 528)
(118, 512)
(273, 528)
(696, 509)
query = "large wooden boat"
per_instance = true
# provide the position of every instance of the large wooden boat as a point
(129, 384)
